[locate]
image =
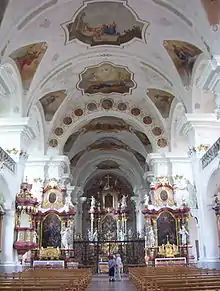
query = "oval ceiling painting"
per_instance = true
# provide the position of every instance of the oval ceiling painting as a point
(106, 78)
(104, 23)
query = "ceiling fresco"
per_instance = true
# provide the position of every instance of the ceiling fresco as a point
(162, 100)
(212, 9)
(106, 123)
(76, 158)
(107, 165)
(183, 55)
(106, 78)
(70, 141)
(107, 143)
(104, 23)
(51, 102)
(27, 59)
(143, 138)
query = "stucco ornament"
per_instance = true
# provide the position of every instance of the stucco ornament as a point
(181, 192)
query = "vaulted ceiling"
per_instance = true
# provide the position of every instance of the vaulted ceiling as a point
(105, 76)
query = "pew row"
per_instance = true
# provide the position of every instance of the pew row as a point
(175, 278)
(46, 279)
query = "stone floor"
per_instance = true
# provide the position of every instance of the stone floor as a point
(101, 283)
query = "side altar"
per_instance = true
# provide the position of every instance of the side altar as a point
(166, 215)
(44, 227)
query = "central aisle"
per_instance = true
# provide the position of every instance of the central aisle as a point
(101, 283)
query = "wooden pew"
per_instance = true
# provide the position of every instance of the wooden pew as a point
(44, 279)
(174, 278)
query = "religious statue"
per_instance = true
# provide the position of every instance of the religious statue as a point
(151, 238)
(146, 200)
(35, 237)
(124, 202)
(89, 235)
(120, 235)
(92, 203)
(64, 238)
(181, 191)
(68, 203)
(95, 235)
(130, 233)
(184, 233)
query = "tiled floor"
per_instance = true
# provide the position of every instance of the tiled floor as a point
(101, 283)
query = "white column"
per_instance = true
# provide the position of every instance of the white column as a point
(8, 252)
(203, 129)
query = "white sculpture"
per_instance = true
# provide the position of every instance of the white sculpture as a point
(146, 200)
(35, 237)
(89, 235)
(120, 235)
(64, 239)
(68, 203)
(92, 203)
(124, 202)
(184, 233)
(151, 238)
(181, 192)
(95, 235)
(129, 233)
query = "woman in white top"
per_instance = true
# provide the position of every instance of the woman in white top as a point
(119, 267)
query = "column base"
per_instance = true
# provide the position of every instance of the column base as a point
(210, 263)
(9, 267)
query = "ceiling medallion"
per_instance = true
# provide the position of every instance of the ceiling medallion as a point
(67, 120)
(58, 131)
(156, 131)
(105, 23)
(106, 78)
(91, 106)
(162, 143)
(122, 106)
(147, 120)
(135, 111)
(53, 143)
(78, 112)
(107, 104)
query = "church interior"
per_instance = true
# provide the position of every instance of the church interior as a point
(109, 144)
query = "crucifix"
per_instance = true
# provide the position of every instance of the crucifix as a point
(167, 238)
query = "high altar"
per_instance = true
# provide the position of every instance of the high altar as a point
(166, 221)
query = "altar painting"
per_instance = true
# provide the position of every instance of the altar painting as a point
(51, 231)
(166, 227)
(103, 23)
(27, 59)
(51, 102)
(109, 228)
(183, 55)
(106, 78)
